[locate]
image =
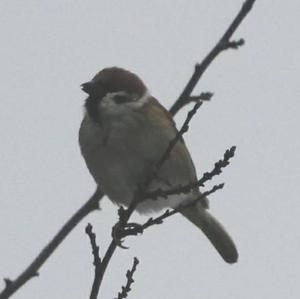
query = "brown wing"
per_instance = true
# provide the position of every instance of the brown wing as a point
(179, 168)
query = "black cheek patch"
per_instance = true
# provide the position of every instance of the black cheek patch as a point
(120, 99)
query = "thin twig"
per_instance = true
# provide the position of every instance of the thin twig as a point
(203, 96)
(139, 228)
(184, 128)
(223, 44)
(95, 247)
(129, 275)
(158, 220)
(97, 260)
(199, 183)
(100, 273)
(135, 229)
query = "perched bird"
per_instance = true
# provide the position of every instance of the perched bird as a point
(124, 133)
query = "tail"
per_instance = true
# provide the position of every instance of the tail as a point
(214, 231)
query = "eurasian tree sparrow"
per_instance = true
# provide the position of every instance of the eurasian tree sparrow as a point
(123, 134)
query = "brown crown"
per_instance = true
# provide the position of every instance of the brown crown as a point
(116, 79)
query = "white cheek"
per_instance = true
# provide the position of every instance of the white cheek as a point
(110, 107)
(141, 101)
(108, 101)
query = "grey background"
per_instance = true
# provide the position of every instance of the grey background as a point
(49, 47)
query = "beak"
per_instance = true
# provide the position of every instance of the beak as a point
(88, 87)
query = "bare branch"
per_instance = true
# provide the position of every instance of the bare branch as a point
(129, 275)
(7, 282)
(184, 129)
(158, 220)
(223, 44)
(95, 247)
(101, 270)
(32, 270)
(203, 96)
(135, 228)
(200, 183)
(97, 260)
(235, 44)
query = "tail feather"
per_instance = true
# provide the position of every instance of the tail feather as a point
(214, 231)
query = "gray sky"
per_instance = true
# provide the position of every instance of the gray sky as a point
(49, 47)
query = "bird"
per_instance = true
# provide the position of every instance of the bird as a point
(123, 134)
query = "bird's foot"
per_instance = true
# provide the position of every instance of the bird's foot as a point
(121, 231)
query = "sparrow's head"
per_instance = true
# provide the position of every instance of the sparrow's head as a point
(111, 90)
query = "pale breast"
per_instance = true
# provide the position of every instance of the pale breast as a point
(116, 156)
(121, 153)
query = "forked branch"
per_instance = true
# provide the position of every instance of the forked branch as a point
(223, 44)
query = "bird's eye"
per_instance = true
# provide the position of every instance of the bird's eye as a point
(120, 99)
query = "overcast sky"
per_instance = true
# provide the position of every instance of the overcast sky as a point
(48, 48)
